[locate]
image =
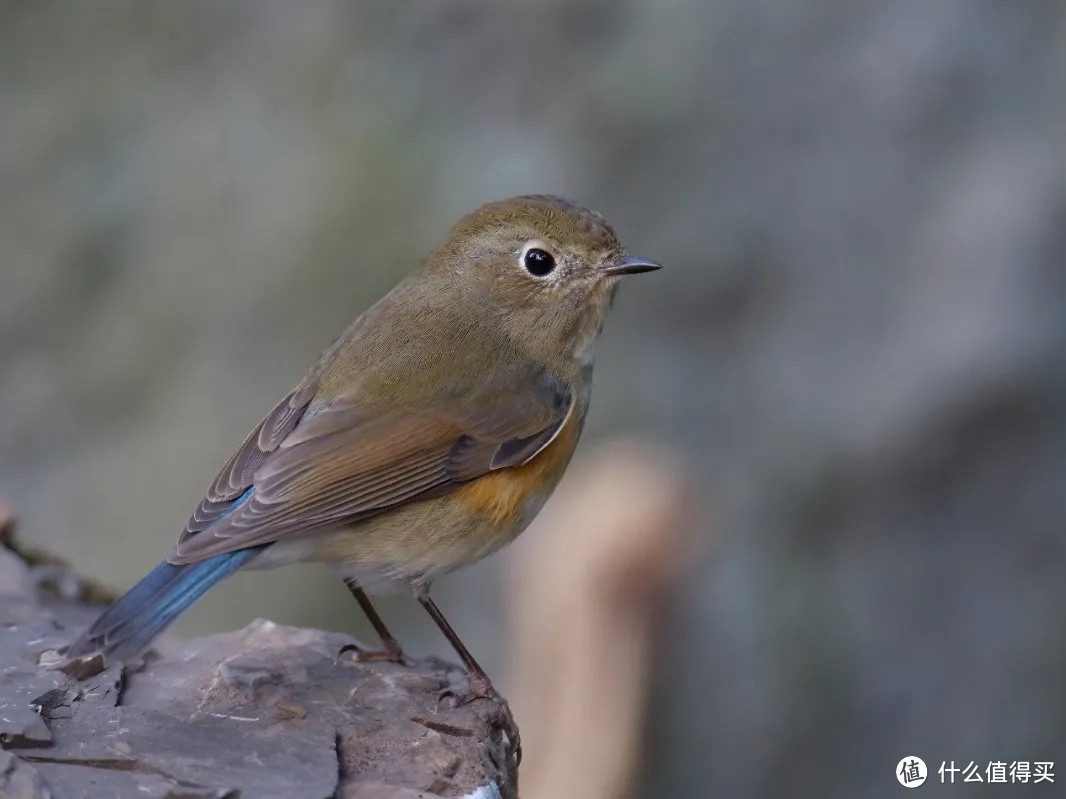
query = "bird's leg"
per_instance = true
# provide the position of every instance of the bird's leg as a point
(480, 686)
(390, 647)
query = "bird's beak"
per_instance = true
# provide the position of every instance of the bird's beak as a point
(632, 266)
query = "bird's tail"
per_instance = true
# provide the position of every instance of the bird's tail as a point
(126, 628)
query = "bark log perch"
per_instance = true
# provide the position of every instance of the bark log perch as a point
(268, 711)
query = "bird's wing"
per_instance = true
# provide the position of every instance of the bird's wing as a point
(295, 474)
(235, 478)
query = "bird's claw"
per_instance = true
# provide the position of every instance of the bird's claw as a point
(447, 693)
(502, 718)
(397, 655)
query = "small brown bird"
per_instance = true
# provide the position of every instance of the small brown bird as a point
(426, 437)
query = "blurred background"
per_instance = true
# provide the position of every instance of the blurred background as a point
(857, 349)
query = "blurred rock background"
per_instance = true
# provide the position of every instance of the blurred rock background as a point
(858, 344)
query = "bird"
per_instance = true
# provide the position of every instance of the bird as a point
(426, 437)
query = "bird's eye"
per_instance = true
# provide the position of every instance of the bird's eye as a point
(538, 262)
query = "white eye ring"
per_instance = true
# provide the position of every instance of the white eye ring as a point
(537, 259)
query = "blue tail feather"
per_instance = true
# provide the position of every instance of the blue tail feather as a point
(127, 628)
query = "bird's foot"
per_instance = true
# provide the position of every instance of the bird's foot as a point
(480, 687)
(388, 654)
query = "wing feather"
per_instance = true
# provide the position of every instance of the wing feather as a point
(338, 466)
(236, 476)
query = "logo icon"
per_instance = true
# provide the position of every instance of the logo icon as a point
(911, 771)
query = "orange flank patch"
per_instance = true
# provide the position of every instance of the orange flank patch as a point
(501, 495)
